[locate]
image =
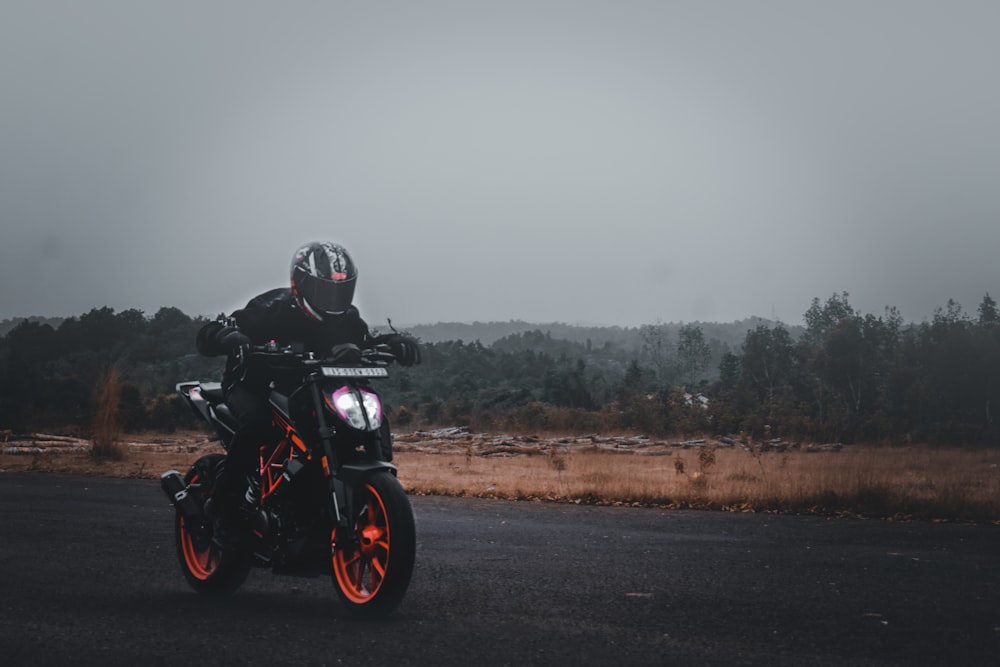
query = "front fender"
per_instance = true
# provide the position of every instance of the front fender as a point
(345, 481)
(356, 473)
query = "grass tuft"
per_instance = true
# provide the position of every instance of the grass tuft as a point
(105, 439)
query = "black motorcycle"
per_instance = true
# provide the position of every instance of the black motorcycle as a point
(326, 499)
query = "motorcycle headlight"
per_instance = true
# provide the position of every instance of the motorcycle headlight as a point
(354, 405)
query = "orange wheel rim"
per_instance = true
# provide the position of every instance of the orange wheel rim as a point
(200, 562)
(361, 569)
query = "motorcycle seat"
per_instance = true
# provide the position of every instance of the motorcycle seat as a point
(224, 415)
(212, 392)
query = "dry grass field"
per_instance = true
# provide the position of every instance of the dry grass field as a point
(898, 482)
(906, 482)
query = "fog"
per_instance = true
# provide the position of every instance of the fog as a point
(582, 162)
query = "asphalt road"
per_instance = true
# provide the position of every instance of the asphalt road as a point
(88, 575)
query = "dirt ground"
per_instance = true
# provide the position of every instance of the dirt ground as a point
(145, 455)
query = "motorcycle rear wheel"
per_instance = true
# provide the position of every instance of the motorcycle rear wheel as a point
(207, 568)
(372, 573)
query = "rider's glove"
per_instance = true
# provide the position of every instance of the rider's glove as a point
(215, 339)
(404, 348)
(231, 338)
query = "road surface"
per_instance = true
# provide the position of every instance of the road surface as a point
(88, 575)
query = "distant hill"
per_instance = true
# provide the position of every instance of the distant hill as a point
(487, 333)
(628, 338)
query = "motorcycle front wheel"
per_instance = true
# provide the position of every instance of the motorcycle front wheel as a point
(372, 569)
(207, 568)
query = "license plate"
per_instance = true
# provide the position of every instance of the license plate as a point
(347, 372)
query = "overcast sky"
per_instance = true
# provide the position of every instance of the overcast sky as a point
(583, 162)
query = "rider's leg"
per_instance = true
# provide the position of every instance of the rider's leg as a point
(242, 459)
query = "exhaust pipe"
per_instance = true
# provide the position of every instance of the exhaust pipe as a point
(177, 491)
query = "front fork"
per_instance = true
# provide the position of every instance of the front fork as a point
(342, 479)
(340, 495)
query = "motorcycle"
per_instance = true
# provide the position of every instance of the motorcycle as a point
(326, 500)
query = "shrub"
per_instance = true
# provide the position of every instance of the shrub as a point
(106, 429)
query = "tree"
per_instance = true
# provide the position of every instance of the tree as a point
(989, 316)
(566, 386)
(767, 365)
(656, 348)
(28, 350)
(820, 319)
(638, 405)
(167, 319)
(693, 353)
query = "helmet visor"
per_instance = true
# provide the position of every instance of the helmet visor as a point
(327, 297)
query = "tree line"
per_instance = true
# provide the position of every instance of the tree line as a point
(842, 376)
(50, 375)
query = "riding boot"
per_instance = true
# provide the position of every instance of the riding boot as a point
(225, 509)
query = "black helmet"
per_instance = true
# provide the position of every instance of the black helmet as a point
(323, 278)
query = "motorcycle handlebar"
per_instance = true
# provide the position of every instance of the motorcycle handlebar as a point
(378, 355)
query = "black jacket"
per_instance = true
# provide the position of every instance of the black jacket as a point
(275, 315)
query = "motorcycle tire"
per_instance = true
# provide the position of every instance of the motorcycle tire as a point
(208, 569)
(371, 575)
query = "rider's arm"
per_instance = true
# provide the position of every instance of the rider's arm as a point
(207, 340)
(216, 338)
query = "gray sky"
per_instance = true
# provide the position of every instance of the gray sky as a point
(586, 162)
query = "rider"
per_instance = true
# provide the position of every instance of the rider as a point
(316, 312)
